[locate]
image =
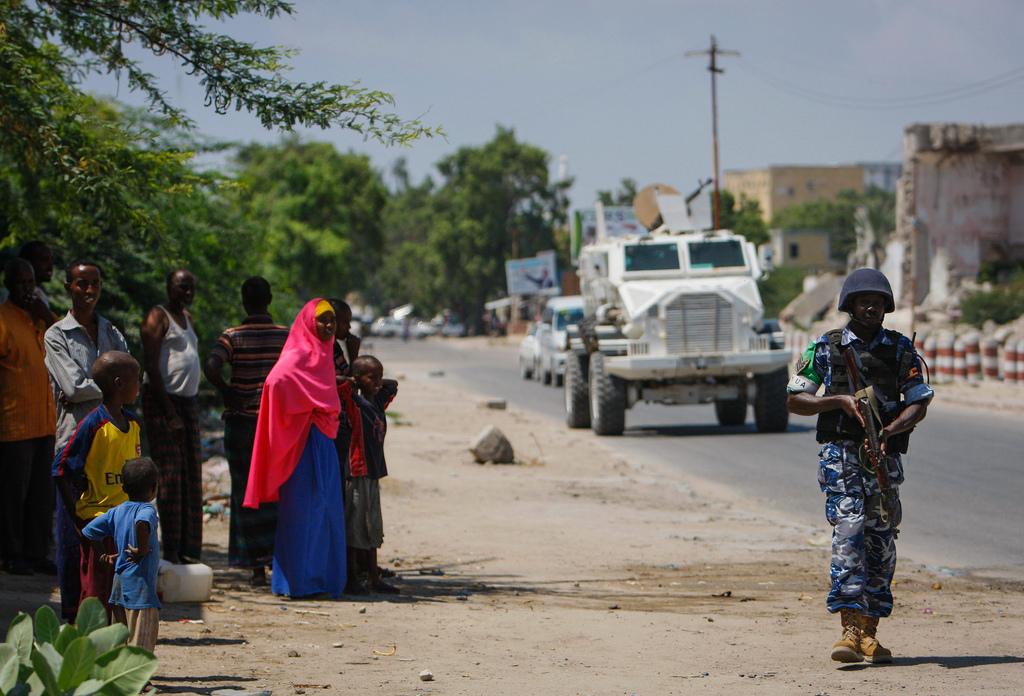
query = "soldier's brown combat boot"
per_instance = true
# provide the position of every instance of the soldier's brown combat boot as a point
(847, 648)
(872, 650)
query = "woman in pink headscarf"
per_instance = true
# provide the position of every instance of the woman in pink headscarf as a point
(295, 463)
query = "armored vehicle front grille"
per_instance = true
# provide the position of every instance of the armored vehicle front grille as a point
(698, 324)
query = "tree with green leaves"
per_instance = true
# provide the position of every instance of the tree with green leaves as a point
(493, 202)
(196, 221)
(838, 217)
(742, 217)
(116, 185)
(320, 212)
(407, 270)
(66, 152)
(623, 195)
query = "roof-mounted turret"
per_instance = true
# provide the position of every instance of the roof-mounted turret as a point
(663, 210)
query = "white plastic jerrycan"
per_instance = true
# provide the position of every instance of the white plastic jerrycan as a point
(191, 582)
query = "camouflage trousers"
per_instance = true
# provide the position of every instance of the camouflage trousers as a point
(863, 539)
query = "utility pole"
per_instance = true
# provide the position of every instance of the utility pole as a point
(713, 52)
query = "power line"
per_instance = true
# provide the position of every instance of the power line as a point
(927, 96)
(713, 52)
(889, 103)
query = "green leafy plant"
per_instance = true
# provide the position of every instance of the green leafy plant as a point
(1002, 304)
(780, 288)
(42, 657)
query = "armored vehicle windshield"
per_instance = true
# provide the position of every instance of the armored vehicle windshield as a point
(651, 257)
(711, 255)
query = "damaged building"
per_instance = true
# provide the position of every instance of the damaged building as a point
(960, 205)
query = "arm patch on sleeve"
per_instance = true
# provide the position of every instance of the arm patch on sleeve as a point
(798, 384)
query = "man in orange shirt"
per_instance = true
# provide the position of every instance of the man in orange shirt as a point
(27, 425)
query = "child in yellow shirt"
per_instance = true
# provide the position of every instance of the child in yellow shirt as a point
(88, 468)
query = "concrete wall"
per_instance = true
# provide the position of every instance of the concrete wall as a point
(1016, 214)
(971, 211)
(960, 203)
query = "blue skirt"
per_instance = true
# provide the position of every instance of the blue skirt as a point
(309, 548)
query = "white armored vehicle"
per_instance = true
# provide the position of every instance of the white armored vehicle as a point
(674, 317)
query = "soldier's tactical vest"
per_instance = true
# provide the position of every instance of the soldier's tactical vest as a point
(880, 368)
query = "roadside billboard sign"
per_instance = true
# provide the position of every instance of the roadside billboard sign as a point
(618, 221)
(533, 276)
(602, 222)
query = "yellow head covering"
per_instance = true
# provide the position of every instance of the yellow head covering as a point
(322, 307)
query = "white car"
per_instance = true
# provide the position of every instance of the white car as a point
(552, 337)
(453, 328)
(422, 329)
(386, 327)
(529, 352)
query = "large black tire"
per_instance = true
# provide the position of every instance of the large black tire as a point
(733, 411)
(577, 392)
(607, 399)
(770, 412)
(545, 377)
(525, 370)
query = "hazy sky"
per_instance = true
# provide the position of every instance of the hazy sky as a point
(606, 83)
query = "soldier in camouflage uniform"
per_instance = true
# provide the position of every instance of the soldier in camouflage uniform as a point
(863, 529)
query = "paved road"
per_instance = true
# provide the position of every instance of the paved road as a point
(963, 499)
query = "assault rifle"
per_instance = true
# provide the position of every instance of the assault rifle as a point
(872, 446)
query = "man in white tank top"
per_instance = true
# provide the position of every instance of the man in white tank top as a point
(171, 417)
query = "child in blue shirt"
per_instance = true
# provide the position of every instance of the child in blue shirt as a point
(133, 526)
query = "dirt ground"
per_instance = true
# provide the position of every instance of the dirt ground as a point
(575, 572)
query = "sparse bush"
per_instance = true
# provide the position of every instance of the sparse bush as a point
(1002, 304)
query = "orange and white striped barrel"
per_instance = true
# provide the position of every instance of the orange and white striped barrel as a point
(1010, 359)
(972, 356)
(990, 359)
(944, 357)
(959, 360)
(1020, 361)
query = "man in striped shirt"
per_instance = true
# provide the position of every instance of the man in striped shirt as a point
(251, 350)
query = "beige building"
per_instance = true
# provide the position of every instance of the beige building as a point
(778, 187)
(810, 249)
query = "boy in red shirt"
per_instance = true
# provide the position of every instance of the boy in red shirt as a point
(365, 398)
